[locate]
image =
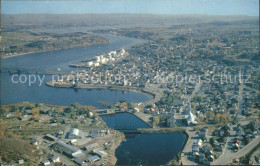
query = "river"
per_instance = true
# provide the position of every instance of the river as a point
(138, 148)
(145, 149)
(51, 61)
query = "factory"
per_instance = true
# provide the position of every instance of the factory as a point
(62, 147)
(106, 58)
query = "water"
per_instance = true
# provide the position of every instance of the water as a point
(150, 149)
(124, 121)
(146, 149)
(50, 61)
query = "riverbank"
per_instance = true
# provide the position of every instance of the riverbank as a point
(122, 88)
(152, 95)
(112, 150)
(46, 50)
(23, 43)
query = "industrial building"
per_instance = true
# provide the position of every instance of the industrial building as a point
(62, 147)
(74, 133)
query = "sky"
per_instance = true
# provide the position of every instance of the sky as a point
(210, 7)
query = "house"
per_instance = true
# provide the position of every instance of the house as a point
(23, 117)
(44, 109)
(9, 114)
(74, 133)
(46, 162)
(35, 142)
(93, 159)
(199, 143)
(29, 112)
(55, 159)
(203, 134)
(206, 149)
(201, 157)
(74, 142)
(210, 158)
(195, 148)
(235, 146)
(20, 162)
(59, 132)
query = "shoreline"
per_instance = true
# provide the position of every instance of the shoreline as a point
(48, 50)
(152, 96)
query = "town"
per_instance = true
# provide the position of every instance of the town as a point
(201, 79)
(216, 105)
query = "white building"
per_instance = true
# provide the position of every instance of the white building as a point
(190, 118)
(90, 63)
(74, 133)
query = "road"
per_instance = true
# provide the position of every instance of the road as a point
(240, 100)
(227, 157)
(187, 148)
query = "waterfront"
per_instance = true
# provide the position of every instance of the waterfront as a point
(51, 61)
(152, 149)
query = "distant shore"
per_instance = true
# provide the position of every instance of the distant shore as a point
(47, 50)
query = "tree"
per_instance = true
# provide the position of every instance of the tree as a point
(156, 120)
(201, 118)
(210, 115)
(18, 114)
(3, 110)
(193, 105)
(212, 140)
(71, 121)
(76, 105)
(131, 105)
(35, 111)
(74, 116)
(2, 133)
(89, 108)
(149, 106)
(36, 117)
(60, 110)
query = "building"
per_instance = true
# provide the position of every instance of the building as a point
(93, 159)
(51, 137)
(46, 162)
(74, 133)
(55, 159)
(190, 118)
(62, 147)
(90, 63)
(94, 133)
(171, 121)
(101, 153)
(20, 162)
(92, 146)
(74, 142)
(78, 161)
